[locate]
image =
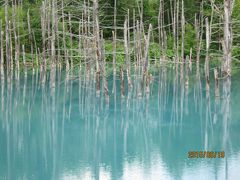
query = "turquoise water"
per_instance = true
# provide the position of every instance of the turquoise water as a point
(54, 127)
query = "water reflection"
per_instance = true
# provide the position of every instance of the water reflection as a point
(53, 126)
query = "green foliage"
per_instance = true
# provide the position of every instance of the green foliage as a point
(120, 57)
(189, 38)
(35, 21)
(170, 53)
(150, 15)
(236, 8)
(154, 51)
(21, 23)
(20, 20)
(108, 50)
(236, 52)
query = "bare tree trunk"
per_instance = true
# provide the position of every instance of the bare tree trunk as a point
(115, 17)
(96, 34)
(174, 25)
(114, 51)
(71, 40)
(160, 28)
(228, 36)
(53, 38)
(16, 42)
(139, 44)
(147, 42)
(35, 46)
(129, 55)
(177, 30)
(97, 45)
(7, 34)
(48, 19)
(64, 39)
(207, 54)
(114, 63)
(30, 37)
(85, 27)
(114, 36)
(187, 68)
(198, 31)
(126, 49)
(10, 46)
(80, 48)
(134, 36)
(104, 74)
(146, 76)
(1, 46)
(43, 29)
(183, 30)
(126, 42)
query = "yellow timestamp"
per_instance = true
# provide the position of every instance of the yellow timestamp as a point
(206, 154)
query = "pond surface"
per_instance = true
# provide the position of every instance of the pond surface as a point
(53, 126)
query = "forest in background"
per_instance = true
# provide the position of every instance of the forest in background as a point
(177, 28)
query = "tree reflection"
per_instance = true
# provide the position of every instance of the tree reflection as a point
(53, 124)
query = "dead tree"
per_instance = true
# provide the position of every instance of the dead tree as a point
(208, 36)
(16, 41)
(228, 36)
(114, 51)
(161, 28)
(114, 62)
(199, 32)
(129, 56)
(177, 30)
(183, 30)
(115, 17)
(126, 49)
(1, 46)
(64, 39)
(146, 76)
(96, 33)
(43, 30)
(10, 46)
(30, 37)
(71, 39)
(173, 15)
(7, 34)
(53, 30)
(134, 37)
(104, 74)
(146, 49)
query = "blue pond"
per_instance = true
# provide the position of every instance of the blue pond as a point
(53, 126)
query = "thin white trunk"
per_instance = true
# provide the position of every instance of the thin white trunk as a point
(1, 46)
(228, 36)
(183, 30)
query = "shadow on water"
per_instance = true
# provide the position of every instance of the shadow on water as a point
(54, 126)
